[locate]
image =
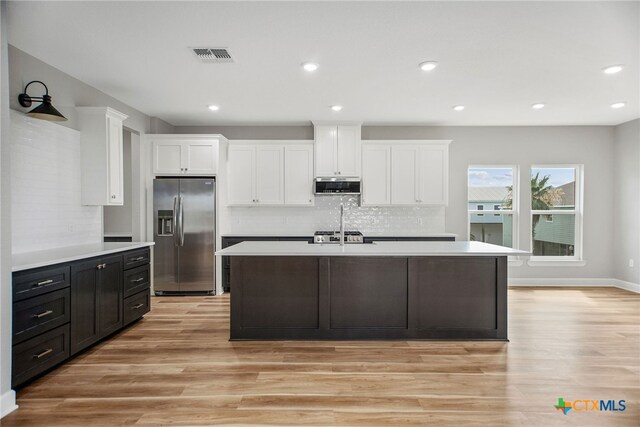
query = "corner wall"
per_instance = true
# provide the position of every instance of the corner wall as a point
(7, 395)
(626, 212)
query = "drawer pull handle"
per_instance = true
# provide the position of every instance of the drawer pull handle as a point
(138, 280)
(44, 282)
(101, 266)
(43, 353)
(137, 306)
(43, 314)
(140, 258)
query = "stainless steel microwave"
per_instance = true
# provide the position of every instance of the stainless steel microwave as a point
(335, 185)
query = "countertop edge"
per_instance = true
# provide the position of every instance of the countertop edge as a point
(71, 258)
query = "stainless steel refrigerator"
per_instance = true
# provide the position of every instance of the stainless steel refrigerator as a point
(184, 233)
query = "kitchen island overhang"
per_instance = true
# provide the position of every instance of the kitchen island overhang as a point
(390, 290)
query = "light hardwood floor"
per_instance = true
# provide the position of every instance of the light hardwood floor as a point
(176, 367)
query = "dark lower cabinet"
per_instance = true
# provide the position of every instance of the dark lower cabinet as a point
(97, 294)
(61, 310)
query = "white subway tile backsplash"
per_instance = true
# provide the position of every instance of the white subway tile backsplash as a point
(46, 210)
(325, 215)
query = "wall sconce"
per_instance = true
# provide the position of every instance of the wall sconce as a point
(44, 111)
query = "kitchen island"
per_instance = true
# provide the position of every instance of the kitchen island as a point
(383, 290)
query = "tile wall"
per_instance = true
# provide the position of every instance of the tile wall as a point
(46, 211)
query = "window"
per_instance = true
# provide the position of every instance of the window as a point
(492, 204)
(556, 212)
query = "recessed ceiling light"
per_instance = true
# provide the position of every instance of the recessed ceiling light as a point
(459, 107)
(538, 106)
(618, 104)
(213, 107)
(336, 107)
(310, 66)
(612, 69)
(428, 65)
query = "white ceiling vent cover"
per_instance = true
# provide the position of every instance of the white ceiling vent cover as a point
(212, 55)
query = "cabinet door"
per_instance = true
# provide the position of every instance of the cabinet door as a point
(326, 150)
(167, 157)
(270, 175)
(115, 161)
(200, 158)
(84, 304)
(241, 175)
(298, 170)
(110, 295)
(404, 175)
(376, 175)
(433, 175)
(349, 151)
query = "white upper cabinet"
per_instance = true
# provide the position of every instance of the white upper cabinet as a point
(298, 170)
(241, 175)
(417, 173)
(185, 154)
(270, 173)
(404, 175)
(434, 175)
(326, 150)
(376, 174)
(102, 156)
(337, 150)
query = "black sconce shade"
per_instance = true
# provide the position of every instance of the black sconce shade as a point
(45, 110)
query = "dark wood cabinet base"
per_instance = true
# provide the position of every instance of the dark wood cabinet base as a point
(343, 298)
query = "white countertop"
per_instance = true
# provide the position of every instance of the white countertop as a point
(28, 260)
(369, 249)
(377, 234)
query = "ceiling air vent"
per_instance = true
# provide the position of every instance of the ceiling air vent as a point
(212, 55)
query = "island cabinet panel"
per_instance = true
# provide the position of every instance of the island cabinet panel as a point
(277, 292)
(369, 297)
(368, 292)
(455, 293)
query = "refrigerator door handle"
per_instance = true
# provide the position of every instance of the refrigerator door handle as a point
(181, 222)
(175, 220)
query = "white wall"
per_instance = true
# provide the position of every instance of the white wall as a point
(66, 91)
(46, 209)
(7, 396)
(119, 219)
(524, 146)
(626, 190)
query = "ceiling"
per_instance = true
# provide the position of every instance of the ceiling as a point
(495, 58)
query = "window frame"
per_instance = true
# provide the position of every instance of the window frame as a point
(577, 212)
(514, 211)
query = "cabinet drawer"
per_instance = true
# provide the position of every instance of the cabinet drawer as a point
(38, 354)
(27, 284)
(136, 280)
(136, 258)
(136, 306)
(36, 315)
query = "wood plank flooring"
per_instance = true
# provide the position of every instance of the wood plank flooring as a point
(177, 367)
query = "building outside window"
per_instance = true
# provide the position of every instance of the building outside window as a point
(556, 212)
(492, 190)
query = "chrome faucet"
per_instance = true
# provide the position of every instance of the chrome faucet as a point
(341, 225)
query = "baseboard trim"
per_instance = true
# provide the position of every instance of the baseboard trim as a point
(575, 282)
(629, 286)
(7, 403)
